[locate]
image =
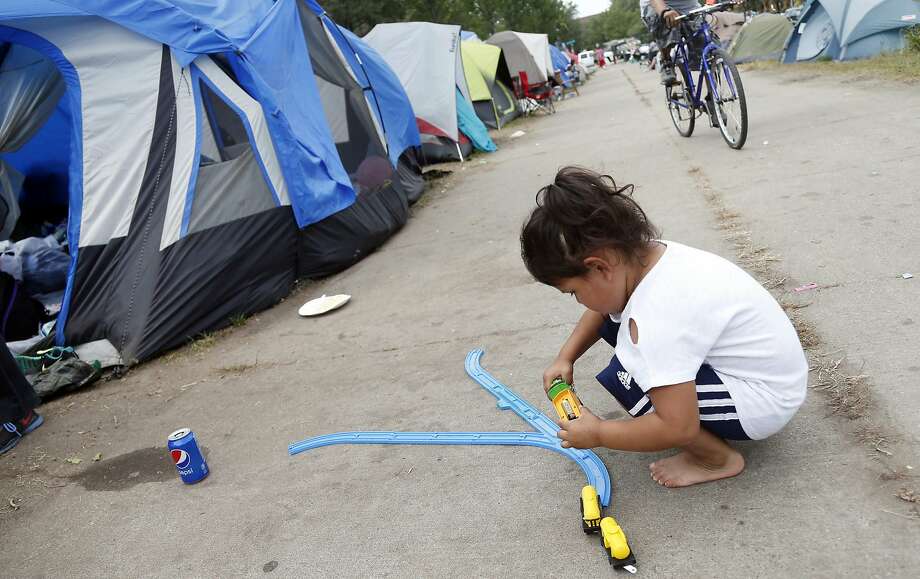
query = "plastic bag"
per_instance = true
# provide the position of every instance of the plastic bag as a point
(44, 270)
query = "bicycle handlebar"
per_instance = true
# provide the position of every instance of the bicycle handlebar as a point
(707, 9)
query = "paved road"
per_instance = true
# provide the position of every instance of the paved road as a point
(811, 502)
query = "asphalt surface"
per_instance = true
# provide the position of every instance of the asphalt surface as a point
(827, 182)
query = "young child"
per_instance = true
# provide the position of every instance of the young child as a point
(703, 353)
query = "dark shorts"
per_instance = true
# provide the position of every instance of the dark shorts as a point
(717, 409)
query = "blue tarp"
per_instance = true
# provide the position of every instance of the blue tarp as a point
(269, 54)
(560, 63)
(471, 126)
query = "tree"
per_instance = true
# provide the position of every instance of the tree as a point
(556, 18)
(620, 20)
(360, 16)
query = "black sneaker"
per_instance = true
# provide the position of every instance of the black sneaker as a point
(712, 112)
(668, 78)
(11, 432)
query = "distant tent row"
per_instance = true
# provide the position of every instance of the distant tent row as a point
(850, 29)
(207, 155)
(458, 85)
(826, 29)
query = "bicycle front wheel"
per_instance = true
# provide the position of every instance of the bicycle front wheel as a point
(680, 102)
(728, 94)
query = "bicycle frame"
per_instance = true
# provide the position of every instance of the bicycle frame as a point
(683, 54)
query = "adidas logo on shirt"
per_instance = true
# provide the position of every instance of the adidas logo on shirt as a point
(625, 378)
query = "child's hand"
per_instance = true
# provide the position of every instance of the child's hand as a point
(583, 432)
(560, 368)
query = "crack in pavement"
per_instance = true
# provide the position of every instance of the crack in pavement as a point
(828, 368)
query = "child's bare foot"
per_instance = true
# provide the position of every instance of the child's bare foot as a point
(684, 469)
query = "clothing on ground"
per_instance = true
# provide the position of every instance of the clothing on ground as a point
(17, 398)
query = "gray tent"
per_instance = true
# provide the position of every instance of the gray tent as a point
(525, 52)
(849, 29)
(762, 38)
(426, 58)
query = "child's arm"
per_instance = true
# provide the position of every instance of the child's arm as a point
(586, 334)
(675, 423)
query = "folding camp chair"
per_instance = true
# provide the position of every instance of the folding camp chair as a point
(533, 97)
(567, 85)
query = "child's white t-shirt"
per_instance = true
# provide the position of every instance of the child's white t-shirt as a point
(694, 307)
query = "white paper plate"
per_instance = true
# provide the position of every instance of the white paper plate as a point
(323, 304)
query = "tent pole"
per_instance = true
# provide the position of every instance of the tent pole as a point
(459, 152)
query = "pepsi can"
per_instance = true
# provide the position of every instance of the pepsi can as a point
(188, 458)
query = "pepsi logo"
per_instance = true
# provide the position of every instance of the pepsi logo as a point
(181, 458)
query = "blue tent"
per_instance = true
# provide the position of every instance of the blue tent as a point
(390, 103)
(561, 64)
(850, 29)
(198, 146)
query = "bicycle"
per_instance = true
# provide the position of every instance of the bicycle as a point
(725, 96)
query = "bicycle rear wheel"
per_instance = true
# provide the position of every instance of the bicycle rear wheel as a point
(680, 103)
(731, 106)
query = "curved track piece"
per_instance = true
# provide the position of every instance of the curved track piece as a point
(433, 438)
(594, 468)
(544, 437)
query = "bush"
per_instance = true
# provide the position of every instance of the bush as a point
(913, 39)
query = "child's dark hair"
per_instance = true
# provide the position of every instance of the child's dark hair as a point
(578, 213)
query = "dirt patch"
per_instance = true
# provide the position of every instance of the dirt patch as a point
(122, 472)
(435, 174)
(847, 391)
(898, 66)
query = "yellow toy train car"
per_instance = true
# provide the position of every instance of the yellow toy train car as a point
(614, 542)
(590, 510)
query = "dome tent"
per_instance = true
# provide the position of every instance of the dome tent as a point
(850, 29)
(526, 52)
(193, 155)
(489, 80)
(762, 38)
(426, 58)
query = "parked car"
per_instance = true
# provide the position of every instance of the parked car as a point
(586, 59)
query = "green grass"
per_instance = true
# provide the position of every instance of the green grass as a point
(239, 320)
(912, 36)
(203, 343)
(901, 66)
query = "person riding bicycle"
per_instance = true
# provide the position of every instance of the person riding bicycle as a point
(660, 17)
